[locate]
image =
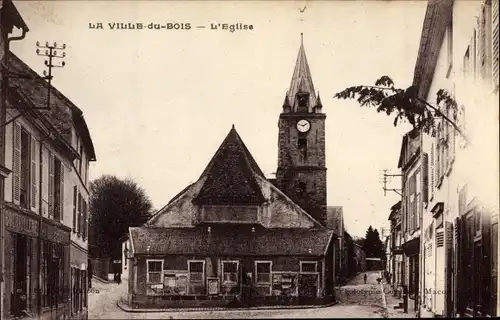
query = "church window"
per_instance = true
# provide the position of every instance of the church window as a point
(302, 146)
(301, 188)
(263, 271)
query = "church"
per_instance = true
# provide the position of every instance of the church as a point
(235, 237)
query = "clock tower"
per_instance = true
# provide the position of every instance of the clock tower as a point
(301, 172)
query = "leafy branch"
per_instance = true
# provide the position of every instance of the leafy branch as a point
(405, 104)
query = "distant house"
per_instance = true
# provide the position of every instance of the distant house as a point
(335, 222)
(125, 254)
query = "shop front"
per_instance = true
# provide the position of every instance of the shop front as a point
(30, 243)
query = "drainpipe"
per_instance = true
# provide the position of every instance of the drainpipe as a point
(3, 116)
(40, 221)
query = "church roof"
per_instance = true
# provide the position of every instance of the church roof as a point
(301, 79)
(230, 242)
(230, 175)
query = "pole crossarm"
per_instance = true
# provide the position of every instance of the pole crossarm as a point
(51, 51)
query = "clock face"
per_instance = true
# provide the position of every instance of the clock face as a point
(303, 126)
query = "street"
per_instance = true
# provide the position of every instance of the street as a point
(356, 300)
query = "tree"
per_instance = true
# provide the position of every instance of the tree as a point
(372, 245)
(405, 103)
(115, 205)
(351, 257)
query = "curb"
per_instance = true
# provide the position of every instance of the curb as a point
(125, 308)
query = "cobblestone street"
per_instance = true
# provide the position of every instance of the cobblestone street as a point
(356, 300)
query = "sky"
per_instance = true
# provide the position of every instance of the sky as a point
(158, 103)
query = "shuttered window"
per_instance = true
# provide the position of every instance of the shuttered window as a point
(75, 196)
(34, 156)
(431, 171)
(84, 219)
(58, 188)
(25, 170)
(16, 172)
(51, 185)
(79, 227)
(425, 178)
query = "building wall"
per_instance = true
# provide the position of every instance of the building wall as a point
(478, 118)
(145, 294)
(72, 179)
(289, 157)
(279, 212)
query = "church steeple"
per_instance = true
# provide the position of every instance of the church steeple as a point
(301, 84)
(301, 172)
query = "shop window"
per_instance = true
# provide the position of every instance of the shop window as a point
(308, 267)
(154, 276)
(196, 271)
(21, 295)
(263, 272)
(230, 272)
(174, 283)
(155, 268)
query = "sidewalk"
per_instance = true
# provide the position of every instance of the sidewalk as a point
(392, 301)
(123, 306)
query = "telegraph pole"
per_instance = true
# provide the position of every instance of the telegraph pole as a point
(50, 52)
(386, 178)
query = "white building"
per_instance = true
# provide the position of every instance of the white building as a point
(459, 243)
(46, 196)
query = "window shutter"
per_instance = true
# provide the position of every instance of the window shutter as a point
(494, 44)
(85, 217)
(16, 174)
(51, 185)
(74, 208)
(33, 173)
(432, 169)
(79, 227)
(61, 192)
(425, 178)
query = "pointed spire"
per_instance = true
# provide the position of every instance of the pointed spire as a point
(286, 103)
(301, 79)
(318, 101)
